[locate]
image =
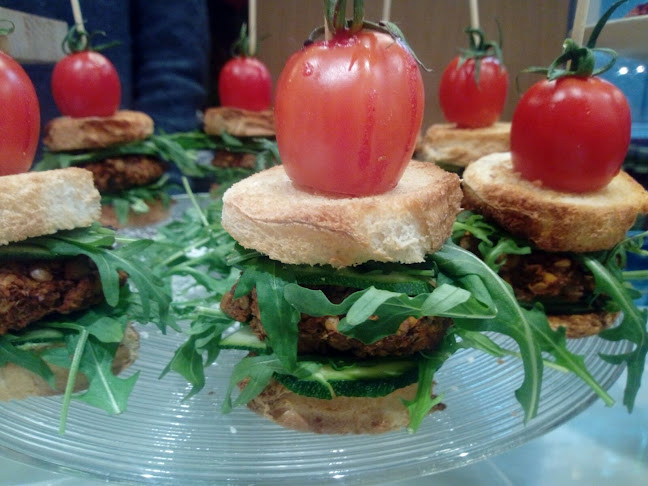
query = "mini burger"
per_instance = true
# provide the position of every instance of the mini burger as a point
(128, 162)
(238, 142)
(552, 231)
(472, 93)
(454, 148)
(349, 305)
(64, 296)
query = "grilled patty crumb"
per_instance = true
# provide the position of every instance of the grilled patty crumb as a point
(120, 173)
(319, 334)
(34, 289)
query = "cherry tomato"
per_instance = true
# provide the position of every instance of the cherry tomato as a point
(467, 103)
(571, 134)
(347, 114)
(245, 82)
(20, 119)
(86, 83)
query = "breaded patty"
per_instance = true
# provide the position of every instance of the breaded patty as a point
(119, 173)
(34, 289)
(319, 334)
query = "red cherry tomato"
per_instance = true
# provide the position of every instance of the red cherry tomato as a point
(86, 83)
(20, 119)
(245, 82)
(347, 114)
(571, 134)
(468, 104)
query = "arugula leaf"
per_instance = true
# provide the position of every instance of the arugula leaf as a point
(278, 316)
(423, 402)
(25, 359)
(511, 319)
(207, 328)
(631, 328)
(136, 199)
(373, 314)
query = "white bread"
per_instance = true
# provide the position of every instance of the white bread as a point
(17, 383)
(445, 144)
(583, 325)
(66, 133)
(267, 213)
(157, 212)
(553, 220)
(341, 415)
(41, 203)
(239, 122)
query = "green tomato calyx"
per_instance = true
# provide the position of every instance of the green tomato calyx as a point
(338, 25)
(480, 49)
(78, 40)
(580, 61)
(6, 27)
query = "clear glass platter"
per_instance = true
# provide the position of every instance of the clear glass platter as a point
(163, 438)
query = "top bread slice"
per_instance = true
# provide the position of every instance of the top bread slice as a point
(266, 212)
(445, 144)
(553, 220)
(94, 132)
(42, 203)
(239, 122)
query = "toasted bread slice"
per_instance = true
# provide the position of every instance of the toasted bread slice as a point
(17, 383)
(239, 122)
(66, 133)
(267, 213)
(156, 213)
(42, 203)
(445, 144)
(583, 325)
(341, 415)
(553, 220)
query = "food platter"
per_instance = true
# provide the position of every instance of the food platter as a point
(165, 439)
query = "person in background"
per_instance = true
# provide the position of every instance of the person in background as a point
(162, 58)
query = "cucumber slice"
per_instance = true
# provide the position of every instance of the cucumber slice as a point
(362, 379)
(384, 276)
(347, 377)
(244, 339)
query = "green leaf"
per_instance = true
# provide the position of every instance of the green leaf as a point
(25, 359)
(423, 402)
(278, 316)
(511, 320)
(106, 391)
(632, 327)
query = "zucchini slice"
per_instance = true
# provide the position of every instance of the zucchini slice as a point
(374, 378)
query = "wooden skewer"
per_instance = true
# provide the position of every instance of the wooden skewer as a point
(252, 28)
(474, 14)
(580, 17)
(386, 13)
(78, 18)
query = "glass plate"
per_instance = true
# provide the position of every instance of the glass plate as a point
(162, 438)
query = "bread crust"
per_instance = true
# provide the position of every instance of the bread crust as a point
(583, 325)
(341, 415)
(445, 144)
(42, 203)
(17, 383)
(267, 213)
(66, 133)
(239, 122)
(157, 212)
(553, 220)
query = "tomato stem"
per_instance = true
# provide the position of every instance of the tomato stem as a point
(479, 49)
(577, 60)
(334, 15)
(10, 27)
(78, 40)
